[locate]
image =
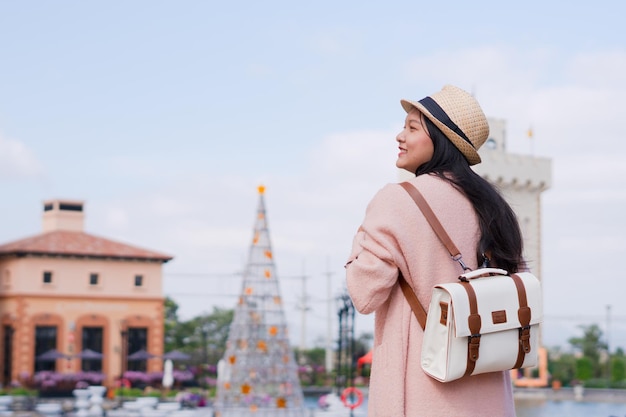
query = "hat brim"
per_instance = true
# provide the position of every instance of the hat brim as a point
(466, 149)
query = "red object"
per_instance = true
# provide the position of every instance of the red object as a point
(352, 397)
(122, 383)
(365, 359)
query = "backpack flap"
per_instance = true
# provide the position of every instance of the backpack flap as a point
(497, 301)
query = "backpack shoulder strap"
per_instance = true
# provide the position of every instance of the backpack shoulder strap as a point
(408, 292)
(441, 233)
(414, 302)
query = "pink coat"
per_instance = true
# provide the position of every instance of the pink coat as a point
(395, 234)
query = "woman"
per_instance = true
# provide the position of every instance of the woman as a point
(438, 143)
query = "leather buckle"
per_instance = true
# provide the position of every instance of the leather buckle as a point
(473, 348)
(524, 338)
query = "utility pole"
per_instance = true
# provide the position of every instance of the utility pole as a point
(608, 344)
(304, 307)
(329, 318)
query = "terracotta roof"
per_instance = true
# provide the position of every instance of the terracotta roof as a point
(69, 243)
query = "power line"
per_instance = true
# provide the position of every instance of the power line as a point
(220, 275)
(584, 318)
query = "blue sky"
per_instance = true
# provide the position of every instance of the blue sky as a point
(164, 116)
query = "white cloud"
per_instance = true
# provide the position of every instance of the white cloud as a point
(601, 69)
(355, 156)
(116, 218)
(17, 160)
(572, 103)
(593, 245)
(592, 167)
(487, 71)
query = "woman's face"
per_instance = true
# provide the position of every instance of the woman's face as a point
(416, 146)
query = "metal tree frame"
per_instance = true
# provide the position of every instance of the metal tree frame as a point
(258, 375)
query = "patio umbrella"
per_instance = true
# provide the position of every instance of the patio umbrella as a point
(89, 354)
(140, 355)
(168, 374)
(52, 355)
(177, 355)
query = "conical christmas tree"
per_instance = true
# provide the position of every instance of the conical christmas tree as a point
(258, 375)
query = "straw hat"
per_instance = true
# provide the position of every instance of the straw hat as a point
(459, 117)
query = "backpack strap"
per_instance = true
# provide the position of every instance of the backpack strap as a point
(414, 302)
(524, 314)
(409, 294)
(441, 233)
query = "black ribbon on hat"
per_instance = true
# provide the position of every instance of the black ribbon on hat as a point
(441, 115)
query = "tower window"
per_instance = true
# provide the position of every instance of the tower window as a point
(138, 280)
(47, 277)
(70, 207)
(93, 279)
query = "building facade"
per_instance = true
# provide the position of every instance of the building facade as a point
(84, 301)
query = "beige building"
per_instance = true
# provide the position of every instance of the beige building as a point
(68, 290)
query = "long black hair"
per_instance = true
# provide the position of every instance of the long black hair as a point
(500, 243)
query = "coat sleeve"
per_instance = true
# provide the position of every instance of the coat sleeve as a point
(371, 271)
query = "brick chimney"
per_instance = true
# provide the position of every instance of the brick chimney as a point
(63, 215)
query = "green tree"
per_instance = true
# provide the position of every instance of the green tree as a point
(314, 357)
(618, 369)
(207, 335)
(562, 367)
(203, 337)
(584, 368)
(312, 371)
(591, 346)
(172, 336)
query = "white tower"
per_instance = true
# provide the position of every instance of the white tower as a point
(521, 179)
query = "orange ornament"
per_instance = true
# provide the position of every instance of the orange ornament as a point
(268, 273)
(268, 254)
(232, 359)
(245, 389)
(281, 402)
(273, 331)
